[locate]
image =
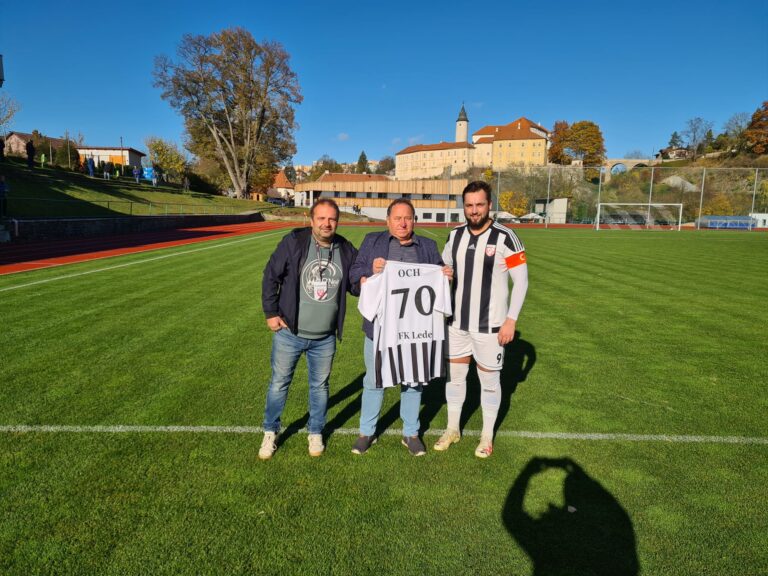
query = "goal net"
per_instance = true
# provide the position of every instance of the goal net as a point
(639, 215)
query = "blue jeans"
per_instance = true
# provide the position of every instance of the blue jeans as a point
(410, 400)
(286, 351)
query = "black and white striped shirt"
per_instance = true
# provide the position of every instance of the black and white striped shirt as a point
(482, 267)
(408, 304)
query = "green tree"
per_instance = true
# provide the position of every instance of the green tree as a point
(165, 155)
(386, 165)
(756, 134)
(324, 164)
(66, 155)
(208, 172)
(237, 98)
(675, 141)
(722, 142)
(708, 142)
(362, 164)
(556, 153)
(290, 173)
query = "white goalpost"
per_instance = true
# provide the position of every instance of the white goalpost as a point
(637, 215)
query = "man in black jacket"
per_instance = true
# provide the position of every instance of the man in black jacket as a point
(303, 295)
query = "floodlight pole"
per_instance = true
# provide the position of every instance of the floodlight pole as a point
(754, 194)
(701, 200)
(650, 196)
(599, 190)
(549, 179)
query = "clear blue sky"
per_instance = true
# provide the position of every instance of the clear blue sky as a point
(378, 76)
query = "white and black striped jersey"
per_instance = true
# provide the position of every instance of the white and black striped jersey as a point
(482, 265)
(408, 305)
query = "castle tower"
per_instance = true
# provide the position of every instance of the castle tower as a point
(462, 126)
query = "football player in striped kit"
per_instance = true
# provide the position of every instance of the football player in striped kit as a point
(484, 255)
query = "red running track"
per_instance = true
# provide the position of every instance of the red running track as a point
(37, 255)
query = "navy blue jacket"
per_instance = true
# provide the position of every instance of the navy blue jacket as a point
(376, 245)
(282, 278)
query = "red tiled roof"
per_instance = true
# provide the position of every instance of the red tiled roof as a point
(487, 131)
(339, 177)
(485, 140)
(281, 181)
(433, 147)
(24, 136)
(520, 129)
(511, 131)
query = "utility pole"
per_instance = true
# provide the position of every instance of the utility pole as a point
(69, 158)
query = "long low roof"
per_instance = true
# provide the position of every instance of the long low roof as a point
(117, 148)
(433, 147)
(336, 183)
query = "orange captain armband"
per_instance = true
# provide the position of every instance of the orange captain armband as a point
(515, 260)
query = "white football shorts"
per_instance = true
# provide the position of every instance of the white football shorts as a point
(484, 347)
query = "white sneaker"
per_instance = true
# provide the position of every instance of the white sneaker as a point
(268, 445)
(316, 447)
(485, 448)
(449, 437)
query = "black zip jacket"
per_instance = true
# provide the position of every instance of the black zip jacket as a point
(282, 278)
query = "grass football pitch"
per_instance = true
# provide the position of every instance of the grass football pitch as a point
(633, 434)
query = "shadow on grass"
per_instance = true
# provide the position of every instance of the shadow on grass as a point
(590, 533)
(352, 407)
(519, 360)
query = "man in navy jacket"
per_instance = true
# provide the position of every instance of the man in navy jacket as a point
(303, 295)
(399, 243)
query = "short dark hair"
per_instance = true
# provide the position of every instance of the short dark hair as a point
(476, 186)
(397, 201)
(327, 202)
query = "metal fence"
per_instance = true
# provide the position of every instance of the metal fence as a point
(21, 207)
(652, 196)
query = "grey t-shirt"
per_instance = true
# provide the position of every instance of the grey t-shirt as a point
(319, 292)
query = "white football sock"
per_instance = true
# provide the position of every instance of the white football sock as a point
(456, 392)
(490, 399)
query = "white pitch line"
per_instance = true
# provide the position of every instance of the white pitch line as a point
(162, 257)
(590, 437)
(426, 231)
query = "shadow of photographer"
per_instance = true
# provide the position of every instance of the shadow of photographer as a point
(590, 534)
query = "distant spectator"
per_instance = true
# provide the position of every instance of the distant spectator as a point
(90, 166)
(30, 147)
(2, 149)
(3, 196)
(118, 172)
(136, 174)
(185, 183)
(154, 178)
(42, 160)
(108, 166)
